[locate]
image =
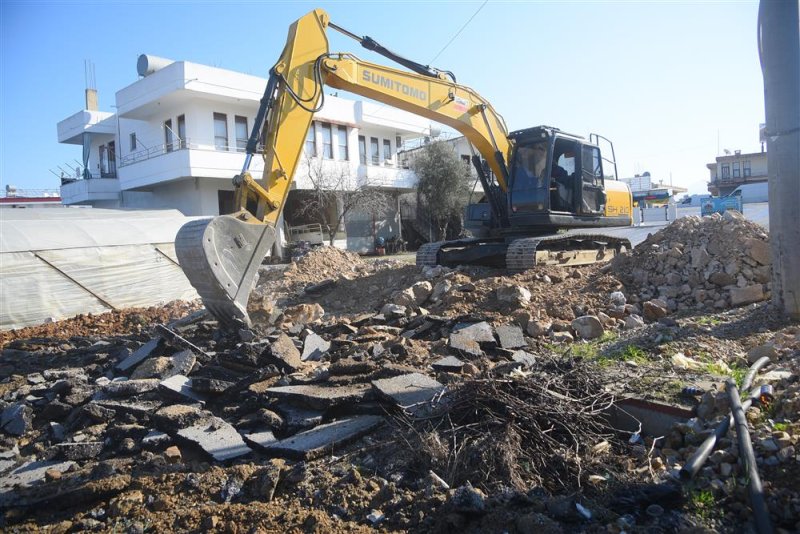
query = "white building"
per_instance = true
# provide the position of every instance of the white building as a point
(178, 135)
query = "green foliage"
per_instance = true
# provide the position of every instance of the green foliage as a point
(708, 320)
(443, 186)
(703, 502)
(781, 427)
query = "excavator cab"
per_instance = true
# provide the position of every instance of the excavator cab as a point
(556, 179)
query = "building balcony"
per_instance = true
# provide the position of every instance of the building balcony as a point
(71, 129)
(91, 190)
(386, 177)
(182, 159)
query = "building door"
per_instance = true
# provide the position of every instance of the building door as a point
(225, 201)
(112, 159)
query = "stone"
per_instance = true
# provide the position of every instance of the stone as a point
(510, 337)
(324, 438)
(759, 250)
(747, 295)
(139, 355)
(538, 328)
(216, 437)
(283, 354)
(617, 298)
(261, 439)
(172, 454)
(655, 309)
(442, 288)
(700, 257)
(421, 291)
(588, 327)
(526, 359)
(562, 337)
(320, 397)
(411, 392)
(31, 473)
(182, 385)
(633, 321)
(303, 314)
(514, 295)
(314, 347)
(296, 418)
(214, 386)
(760, 351)
(721, 279)
(163, 367)
(16, 419)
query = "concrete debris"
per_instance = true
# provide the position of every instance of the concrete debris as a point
(182, 385)
(412, 392)
(511, 337)
(320, 397)
(314, 348)
(16, 419)
(164, 367)
(283, 353)
(588, 327)
(450, 364)
(324, 438)
(139, 355)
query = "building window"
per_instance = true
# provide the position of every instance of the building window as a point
(362, 149)
(311, 140)
(387, 152)
(736, 172)
(220, 131)
(103, 160)
(241, 133)
(182, 131)
(746, 168)
(726, 172)
(398, 143)
(341, 135)
(327, 141)
(133, 141)
(168, 135)
(112, 159)
(467, 161)
(374, 149)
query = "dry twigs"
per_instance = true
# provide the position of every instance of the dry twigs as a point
(536, 430)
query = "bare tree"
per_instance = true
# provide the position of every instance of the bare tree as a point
(443, 186)
(336, 193)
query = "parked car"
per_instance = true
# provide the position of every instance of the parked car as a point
(752, 192)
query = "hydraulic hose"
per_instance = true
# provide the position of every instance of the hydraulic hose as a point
(748, 459)
(702, 453)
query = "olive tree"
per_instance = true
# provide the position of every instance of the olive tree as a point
(443, 185)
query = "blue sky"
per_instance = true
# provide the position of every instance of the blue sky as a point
(668, 82)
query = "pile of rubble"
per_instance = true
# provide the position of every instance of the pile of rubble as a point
(698, 263)
(377, 394)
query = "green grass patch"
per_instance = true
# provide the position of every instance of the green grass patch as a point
(703, 503)
(708, 320)
(781, 427)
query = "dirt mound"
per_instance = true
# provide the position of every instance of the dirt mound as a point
(322, 263)
(700, 263)
(118, 322)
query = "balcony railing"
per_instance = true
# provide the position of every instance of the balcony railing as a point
(180, 144)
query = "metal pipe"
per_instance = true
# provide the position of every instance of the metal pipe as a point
(698, 459)
(748, 459)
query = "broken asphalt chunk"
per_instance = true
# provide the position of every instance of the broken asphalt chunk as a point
(510, 337)
(182, 385)
(525, 358)
(450, 364)
(283, 354)
(296, 418)
(314, 347)
(412, 392)
(216, 437)
(16, 419)
(174, 339)
(320, 397)
(163, 367)
(324, 438)
(139, 355)
(128, 388)
(84, 450)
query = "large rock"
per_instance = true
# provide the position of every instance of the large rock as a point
(655, 309)
(314, 347)
(514, 294)
(510, 337)
(538, 328)
(759, 250)
(588, 327)
(721, 279)
(747, 295)
(760, 351)
(16, 419)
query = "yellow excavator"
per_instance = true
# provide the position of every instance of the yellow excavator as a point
(540, 184)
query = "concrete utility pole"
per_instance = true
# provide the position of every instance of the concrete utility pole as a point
(779, 49)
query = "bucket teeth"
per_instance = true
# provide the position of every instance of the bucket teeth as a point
(220, 257)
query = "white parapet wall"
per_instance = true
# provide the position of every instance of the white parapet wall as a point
(59, 263)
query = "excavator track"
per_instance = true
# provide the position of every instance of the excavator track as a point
(569, 249)
(220, 257)
(427, 255)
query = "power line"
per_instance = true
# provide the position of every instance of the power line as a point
(459, 31)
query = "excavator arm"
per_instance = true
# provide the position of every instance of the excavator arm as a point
(220, 256)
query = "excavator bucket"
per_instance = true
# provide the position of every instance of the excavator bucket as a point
(220, 257)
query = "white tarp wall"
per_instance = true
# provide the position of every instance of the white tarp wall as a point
(58, 263)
